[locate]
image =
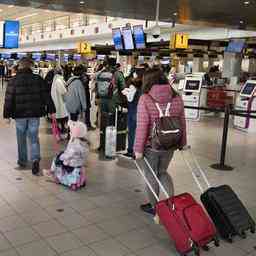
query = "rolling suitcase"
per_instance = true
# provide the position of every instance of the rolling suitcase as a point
(225, 208)
(184, 219)
(228, 212)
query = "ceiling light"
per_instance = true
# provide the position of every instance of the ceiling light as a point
(82, 2)
(10, 6)
(241, 22)
(175, 14)
(26, 16)
(246, 2)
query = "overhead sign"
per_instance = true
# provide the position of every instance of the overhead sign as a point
(179, 41)
(84, 48)
(11, 34)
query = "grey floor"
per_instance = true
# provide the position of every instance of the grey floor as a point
(40, 218)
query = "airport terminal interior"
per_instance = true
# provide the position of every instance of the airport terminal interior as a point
(205, 53)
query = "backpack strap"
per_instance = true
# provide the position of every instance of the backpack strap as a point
(161, 114)
(167, 111)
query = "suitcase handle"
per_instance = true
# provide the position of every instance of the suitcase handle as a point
(193, 157)
(156, 178)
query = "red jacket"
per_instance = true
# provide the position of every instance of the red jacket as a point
(147, 114)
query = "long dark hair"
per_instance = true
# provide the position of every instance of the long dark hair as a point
(155, 76)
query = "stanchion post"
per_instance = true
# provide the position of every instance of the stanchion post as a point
(221, 166)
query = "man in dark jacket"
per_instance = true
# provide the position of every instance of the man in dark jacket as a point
(26, 101)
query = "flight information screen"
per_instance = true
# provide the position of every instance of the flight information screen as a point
(128, 38)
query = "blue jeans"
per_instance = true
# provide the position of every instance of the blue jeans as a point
(27, 128)
(132, 125)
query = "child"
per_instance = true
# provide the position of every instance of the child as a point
(67, 168)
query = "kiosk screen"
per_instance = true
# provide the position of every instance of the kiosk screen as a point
(192, 85)
(248, 89)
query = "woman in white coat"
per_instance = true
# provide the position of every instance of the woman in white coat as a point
(58, 92)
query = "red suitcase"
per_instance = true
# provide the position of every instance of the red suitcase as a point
(185, 220)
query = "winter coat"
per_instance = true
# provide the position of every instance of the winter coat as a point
(75, 153)
(27, 96)
(75, 98)
(147, 113)
(58, 92)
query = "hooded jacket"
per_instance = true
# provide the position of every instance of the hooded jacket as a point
(27, 96)
(148, 113)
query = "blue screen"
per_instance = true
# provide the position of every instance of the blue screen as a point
(139, 37)
(6, 56)
(11, 34)
(20, 55)
(50, 56)
(65, 57)
(77, 57)
(117, 39)
(128, 38)
(36, 56)
(236, 46)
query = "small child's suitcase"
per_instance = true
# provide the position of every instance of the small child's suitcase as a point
(185, 220)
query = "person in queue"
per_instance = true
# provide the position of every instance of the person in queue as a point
(75, 98)
(86, 83)
(26, 100)
(58, 92)
(133, 93)
(156, 88)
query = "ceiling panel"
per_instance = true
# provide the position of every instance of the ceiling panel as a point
(216, 12)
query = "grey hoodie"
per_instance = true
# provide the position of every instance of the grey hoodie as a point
(75, 98)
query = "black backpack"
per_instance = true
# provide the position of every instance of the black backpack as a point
(167, 133)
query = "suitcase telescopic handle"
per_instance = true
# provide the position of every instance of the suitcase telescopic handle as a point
(193, 157)
(155, 177)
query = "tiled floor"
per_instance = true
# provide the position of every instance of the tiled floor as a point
(40, 218)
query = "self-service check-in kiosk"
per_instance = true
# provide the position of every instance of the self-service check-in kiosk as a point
(194, 96)
(246, 101)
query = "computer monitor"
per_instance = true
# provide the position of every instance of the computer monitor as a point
(248, 89)
(139, 37)
(128, 38)
(117, 39)
(193, 84)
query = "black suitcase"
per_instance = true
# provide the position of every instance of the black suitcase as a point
(227, 212)
(108, 119)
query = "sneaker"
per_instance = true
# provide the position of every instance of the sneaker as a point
(128, 156)
(148, 208)
(35, 168)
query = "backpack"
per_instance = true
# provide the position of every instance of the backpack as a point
(105, 85)
(166, 133)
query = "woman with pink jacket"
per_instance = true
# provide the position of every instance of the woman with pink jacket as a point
(156, 89)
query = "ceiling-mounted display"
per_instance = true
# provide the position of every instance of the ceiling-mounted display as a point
(139, 37)
(1, 34)
(128, 38)
(11, 34)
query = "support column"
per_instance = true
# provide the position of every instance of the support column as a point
(232, 65)
(252, 66)
(198, 64)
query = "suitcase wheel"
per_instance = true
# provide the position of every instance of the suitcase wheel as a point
(216, 242)
(206, 248)
(243, 235)
(253, 230)
(230, 239)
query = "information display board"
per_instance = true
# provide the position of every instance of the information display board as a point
(11, 34)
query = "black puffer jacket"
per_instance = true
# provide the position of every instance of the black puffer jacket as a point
(27, 97)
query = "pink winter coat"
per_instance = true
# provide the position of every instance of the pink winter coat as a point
(147, 113)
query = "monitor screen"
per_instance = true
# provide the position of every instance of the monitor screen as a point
(192, 85)
(139, 37)
(50, 56)
(65, 57)
(236, 46)
(6, 56)
(248, 89)
(1, 34)
(117, 39)
(77, 57)
(11, 34)
(21, 55)
(36, 56)
(128, 38)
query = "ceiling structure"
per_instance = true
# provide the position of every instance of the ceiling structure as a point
(27, 15)
(235, 13)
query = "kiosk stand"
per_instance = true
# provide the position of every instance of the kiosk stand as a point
(194, 96)
(246, 101)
